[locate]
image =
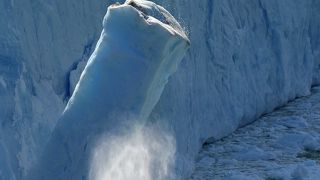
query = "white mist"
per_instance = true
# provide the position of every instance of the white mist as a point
(141, 154)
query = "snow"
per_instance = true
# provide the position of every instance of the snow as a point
(268, 149)
(122, 82)
(245, 59)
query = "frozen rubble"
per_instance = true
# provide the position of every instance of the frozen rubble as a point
(284, 144)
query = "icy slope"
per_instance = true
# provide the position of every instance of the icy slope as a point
(246, 58)
(123, 80)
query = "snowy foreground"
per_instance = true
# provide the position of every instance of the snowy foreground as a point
(284, 144)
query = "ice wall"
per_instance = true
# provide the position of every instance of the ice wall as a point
(41, 43)
(314, 35)
(246, 58)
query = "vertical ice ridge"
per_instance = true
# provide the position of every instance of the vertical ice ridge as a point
(121, 83)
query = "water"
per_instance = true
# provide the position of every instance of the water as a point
(284, 144)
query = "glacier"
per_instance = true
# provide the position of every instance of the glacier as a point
(246, 58)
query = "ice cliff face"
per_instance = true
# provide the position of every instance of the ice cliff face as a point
(252, 57)
(41, 43)
(246, 58)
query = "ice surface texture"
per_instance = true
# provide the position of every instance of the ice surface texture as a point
(284, 144)
(122, 81)
(246, 58)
